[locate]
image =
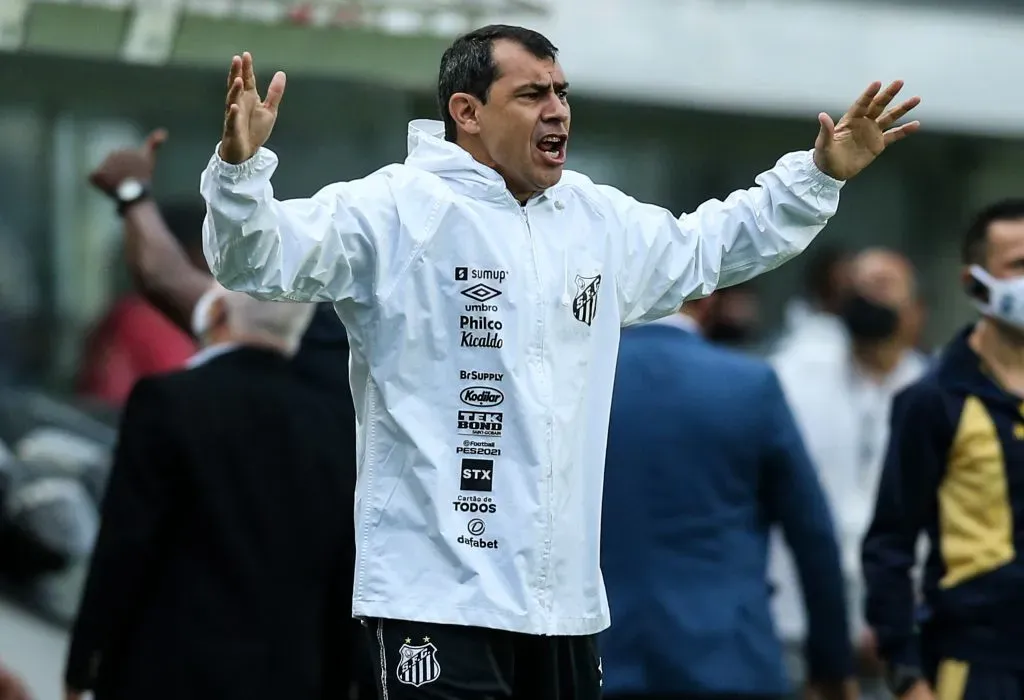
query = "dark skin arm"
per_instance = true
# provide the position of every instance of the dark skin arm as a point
(160, 268)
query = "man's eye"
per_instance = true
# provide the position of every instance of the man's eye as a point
(562, 94)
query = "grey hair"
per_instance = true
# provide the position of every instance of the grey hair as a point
(278, 320)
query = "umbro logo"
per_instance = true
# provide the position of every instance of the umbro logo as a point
(481, 293)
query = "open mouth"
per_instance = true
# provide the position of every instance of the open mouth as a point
(552, 148)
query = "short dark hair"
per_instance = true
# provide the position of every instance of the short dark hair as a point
(468, 64)
(975, 244)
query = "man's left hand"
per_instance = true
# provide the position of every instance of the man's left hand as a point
(844, 149)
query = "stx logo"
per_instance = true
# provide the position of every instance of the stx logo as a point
(477, 474)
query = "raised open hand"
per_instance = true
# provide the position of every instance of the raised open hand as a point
(248, 120)
(842, 150)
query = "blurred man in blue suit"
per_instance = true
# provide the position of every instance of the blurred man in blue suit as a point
(703, 459)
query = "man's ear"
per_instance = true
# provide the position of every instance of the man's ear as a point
(464, 109)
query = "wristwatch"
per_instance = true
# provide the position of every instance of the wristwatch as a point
(901, 679)
(128, 192)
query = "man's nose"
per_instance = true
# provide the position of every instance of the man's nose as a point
(557, 109)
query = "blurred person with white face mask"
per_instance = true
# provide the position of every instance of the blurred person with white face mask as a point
(954, 471)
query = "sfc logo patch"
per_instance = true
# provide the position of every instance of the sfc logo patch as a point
(417, 663)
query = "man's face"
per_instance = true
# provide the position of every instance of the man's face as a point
(887, 279)
(1005, 249)
(524, 126)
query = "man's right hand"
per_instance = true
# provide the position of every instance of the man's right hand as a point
(124, 163)
(248, 120)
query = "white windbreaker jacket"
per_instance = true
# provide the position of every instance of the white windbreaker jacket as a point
(484, 337)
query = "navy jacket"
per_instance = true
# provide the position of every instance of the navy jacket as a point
(703, 458)
(955, 471)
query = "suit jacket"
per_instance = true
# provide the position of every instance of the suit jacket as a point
(703, 458)
(223, 566)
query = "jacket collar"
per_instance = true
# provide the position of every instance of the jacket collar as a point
(959, 366)
(430, 152)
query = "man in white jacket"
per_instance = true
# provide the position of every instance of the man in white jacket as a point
(483, 289)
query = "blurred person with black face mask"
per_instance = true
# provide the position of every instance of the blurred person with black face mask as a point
(841, 397)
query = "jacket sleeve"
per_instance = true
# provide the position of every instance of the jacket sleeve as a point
(135, 507)
(324, 248)
(794, 498)
(920, 437)
(666, 261)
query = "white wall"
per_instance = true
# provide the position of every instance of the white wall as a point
(795, 57)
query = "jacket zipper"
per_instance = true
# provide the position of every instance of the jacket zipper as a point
(545, 562)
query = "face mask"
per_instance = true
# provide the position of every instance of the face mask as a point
(999, 298)
(869, 320)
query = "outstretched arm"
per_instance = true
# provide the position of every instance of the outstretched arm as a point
(324, 248)
(666, 261)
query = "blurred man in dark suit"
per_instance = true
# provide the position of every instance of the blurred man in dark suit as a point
(703, 458)
(173, 281)
(223, 561)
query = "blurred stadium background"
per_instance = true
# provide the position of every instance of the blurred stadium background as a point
(675, 101)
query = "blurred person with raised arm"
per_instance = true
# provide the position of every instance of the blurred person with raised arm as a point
(483, 287)
(954, 471)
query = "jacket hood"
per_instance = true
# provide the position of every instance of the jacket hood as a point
(428, 151)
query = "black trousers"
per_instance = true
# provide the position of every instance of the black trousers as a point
(422, 661)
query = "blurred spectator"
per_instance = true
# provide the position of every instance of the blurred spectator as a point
(841, 395)
(737, 319)
(812, 321)
(173, 280)
(221, 566)
(11, 687)
(953, 471)
(703, 458)
(134, 340)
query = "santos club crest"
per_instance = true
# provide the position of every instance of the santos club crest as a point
(417, 664)
(584, 306)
